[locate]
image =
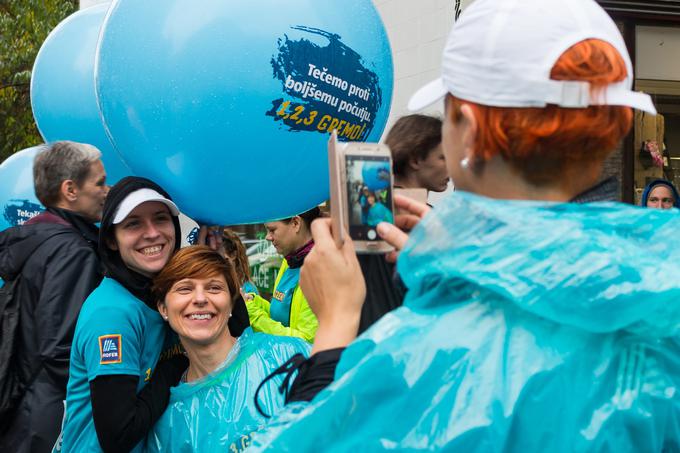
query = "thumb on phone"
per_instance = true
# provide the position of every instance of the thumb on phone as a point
(392, 235)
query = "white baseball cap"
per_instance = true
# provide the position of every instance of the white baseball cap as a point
(501, 52)
(138, 197)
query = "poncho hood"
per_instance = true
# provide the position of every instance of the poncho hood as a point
(600, 267)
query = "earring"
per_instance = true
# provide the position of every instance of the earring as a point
(230, 315)
(165, 317)
(465, 163)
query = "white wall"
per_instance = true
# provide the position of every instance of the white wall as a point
(656, 53)
(417, 30)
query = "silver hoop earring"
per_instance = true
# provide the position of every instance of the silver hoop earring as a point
(465, 163)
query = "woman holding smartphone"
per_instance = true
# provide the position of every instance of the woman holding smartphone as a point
(534, 321)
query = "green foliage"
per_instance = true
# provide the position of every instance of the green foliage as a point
(24, 25)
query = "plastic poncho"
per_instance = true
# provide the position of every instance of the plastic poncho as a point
(217, 412)
(527, 327)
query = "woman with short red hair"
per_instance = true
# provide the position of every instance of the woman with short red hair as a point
(534, 321)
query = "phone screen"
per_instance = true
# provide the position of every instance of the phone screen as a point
(369, 193)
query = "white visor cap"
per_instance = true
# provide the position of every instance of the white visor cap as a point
(138, 197)
(500, 53)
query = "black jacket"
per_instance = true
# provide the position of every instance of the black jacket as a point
(384, 289)
(55, 281)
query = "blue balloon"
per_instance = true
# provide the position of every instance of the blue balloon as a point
(376, 175)
(228, 104)
(62, 88)
(18, 202)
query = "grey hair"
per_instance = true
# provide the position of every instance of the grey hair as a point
(58, 162)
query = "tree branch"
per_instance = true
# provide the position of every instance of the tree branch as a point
(14, 85)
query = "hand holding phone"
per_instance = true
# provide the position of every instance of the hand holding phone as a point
(361, 193)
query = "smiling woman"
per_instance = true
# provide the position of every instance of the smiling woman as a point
(194, 296)
(213, 408)
(145, 237)
(117, 387)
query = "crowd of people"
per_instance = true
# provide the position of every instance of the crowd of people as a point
(526, 311)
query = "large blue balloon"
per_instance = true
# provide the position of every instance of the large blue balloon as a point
(18, 202)
(228, 103)
(62, 87)
(376, 175)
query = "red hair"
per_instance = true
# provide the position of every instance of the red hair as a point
(195, 261)
(541, 143)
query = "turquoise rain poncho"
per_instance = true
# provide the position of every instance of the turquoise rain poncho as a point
(527, 327)
(217, 412)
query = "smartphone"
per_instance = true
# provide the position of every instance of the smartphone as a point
(361, 193)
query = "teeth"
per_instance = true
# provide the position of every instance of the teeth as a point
(151, 250)
(200, 316)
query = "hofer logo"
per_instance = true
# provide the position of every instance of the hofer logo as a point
(110, 349)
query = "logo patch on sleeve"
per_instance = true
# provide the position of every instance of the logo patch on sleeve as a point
(110, 349)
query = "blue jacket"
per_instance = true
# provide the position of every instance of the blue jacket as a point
(527, 327)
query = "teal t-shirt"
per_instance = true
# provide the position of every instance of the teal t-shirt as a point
(279, 307)
(116, 333)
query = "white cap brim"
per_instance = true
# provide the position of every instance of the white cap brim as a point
(427, 95)
(138, 197)
(617, 95)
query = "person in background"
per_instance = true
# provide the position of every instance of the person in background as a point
(236, 254)
(660, 194)
(377, 212)
(213, 407)
(363, 203)
(532, 323)
(417, 156)
(418, 163)
(124, 358)
(288, 313)
(54, 259)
